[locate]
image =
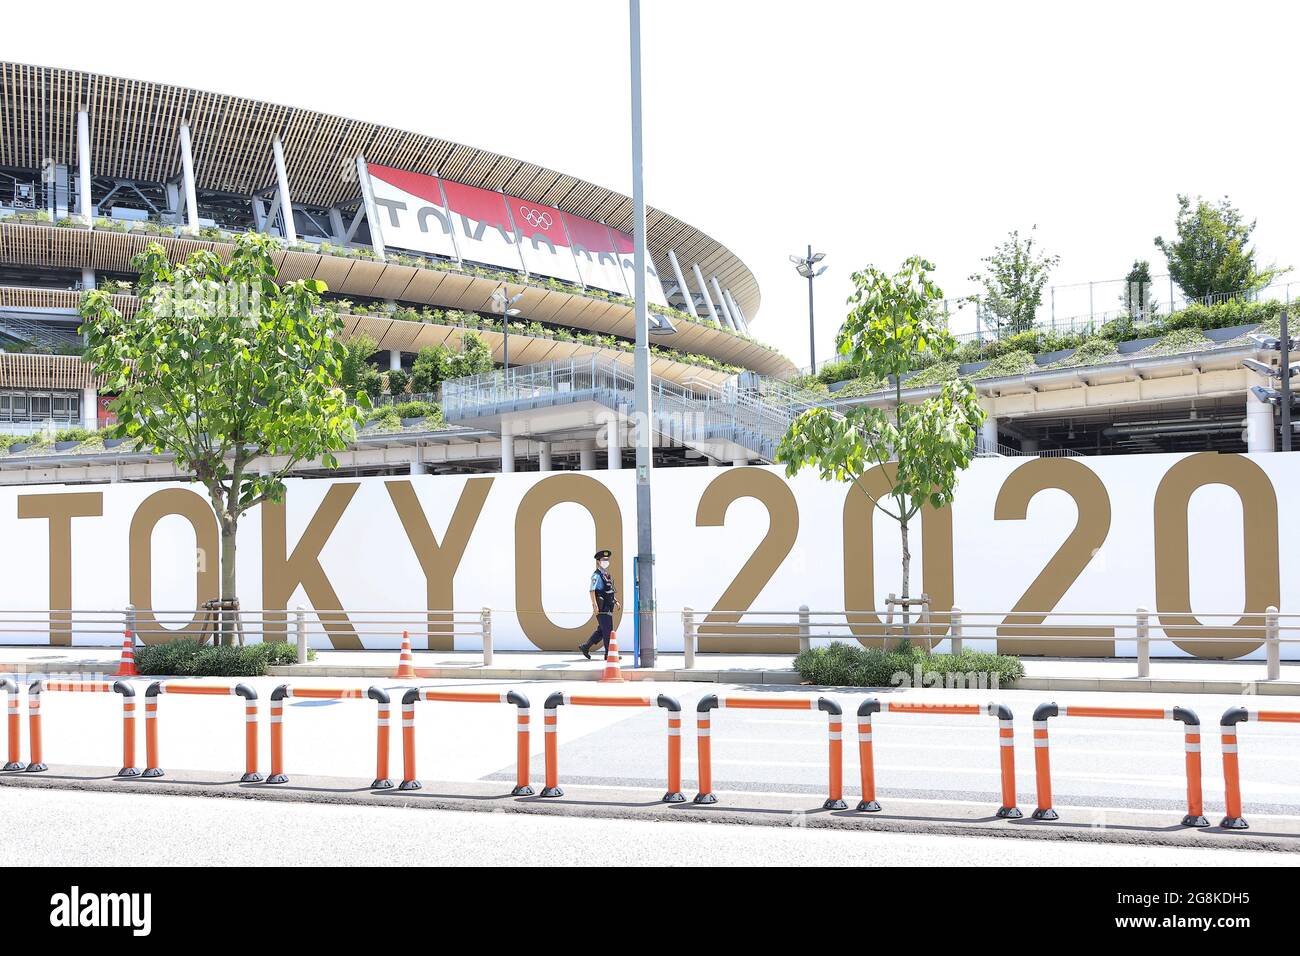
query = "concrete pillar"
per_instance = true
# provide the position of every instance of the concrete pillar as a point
(1259, 425)
(736, 314)
(988, 436)
(704, 290)
(87, 279)
(681, 282)
(282, 187)
(587, 455)
(507, 449)
(722, 305)
(372, 211)
(544, 456)
(739, 462)
(613, 445)
(418, 467)
(84, 208)
(90, 409)
(394, 359)
(187, 179)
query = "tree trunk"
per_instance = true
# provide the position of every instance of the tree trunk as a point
(907, 572)
(228, 555)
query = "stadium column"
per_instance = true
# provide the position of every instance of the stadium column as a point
(736, 314)
(282, 187)
(507, 447)
(394, 359)
(1259, 425)
(681, 284)
(722, 304)
(613, 443)
(544, 456)
(587, 454)
(988, 438)
(187, 179)
(90, 408)
(84, 206)
(704, 290)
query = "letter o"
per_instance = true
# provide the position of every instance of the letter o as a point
(195, 510)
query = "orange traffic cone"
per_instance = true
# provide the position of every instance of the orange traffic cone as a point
(126, 667)
(613, 674)
(405, 665)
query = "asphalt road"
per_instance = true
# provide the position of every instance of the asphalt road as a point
(77, 827)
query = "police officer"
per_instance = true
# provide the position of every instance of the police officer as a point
(604, 600)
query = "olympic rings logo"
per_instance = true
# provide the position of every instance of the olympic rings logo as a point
(536, 217)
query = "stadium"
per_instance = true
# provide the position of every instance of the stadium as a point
(421, 240)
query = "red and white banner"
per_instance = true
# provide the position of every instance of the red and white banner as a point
(483, 230)
(625, 248)
(593, 247)
(412, 214)
(543, 243)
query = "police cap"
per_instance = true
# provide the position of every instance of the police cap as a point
(603, 553)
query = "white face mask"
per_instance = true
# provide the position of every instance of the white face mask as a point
(604, 564)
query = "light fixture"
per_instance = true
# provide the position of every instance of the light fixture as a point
(804, 266)
(503, 301)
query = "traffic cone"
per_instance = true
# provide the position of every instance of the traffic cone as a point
(405, 665)
(613, 674)
(126, 667)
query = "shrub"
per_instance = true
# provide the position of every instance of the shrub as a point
(1008, 363)
(397, 381)
(859, 387)
(188, 658)
(75, 433)
(933, 375)
(1180, 340)
(850, 665)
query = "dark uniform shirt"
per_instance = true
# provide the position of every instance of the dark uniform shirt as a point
(602, 582)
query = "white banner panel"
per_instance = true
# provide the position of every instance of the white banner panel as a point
(1172, 533)
(482, 225)
(411, 211)
(597, 259)
(626, 250)
(542, 240)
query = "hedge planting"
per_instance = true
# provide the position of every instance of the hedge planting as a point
(842, 664)
(187, 658)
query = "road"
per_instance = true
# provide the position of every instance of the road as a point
(79, 828)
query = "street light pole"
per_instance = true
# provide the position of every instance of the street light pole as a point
(645, 559)
(505, 300)
(1285, 403)
(804, 266)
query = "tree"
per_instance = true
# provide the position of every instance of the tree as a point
(1139, 292)
(220, 366)
(922, 446)
(358, 374)
(434, 364)
(1210, 255)
(1013, 281)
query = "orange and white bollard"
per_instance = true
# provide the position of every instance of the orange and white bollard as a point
(411, 782)
(1043, 763)
(1233, 820)
(157, 688)
(37, 763)
(126, 666)
(866, 756)
(14, 724)
(613, 672)
(405, 662)
(285, 691)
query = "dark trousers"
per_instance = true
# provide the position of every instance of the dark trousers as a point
(604, 626)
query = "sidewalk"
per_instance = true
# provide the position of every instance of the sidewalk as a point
(1180, 676)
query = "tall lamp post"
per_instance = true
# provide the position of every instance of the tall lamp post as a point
(502, 302)
(1280, 396)
(805, 266)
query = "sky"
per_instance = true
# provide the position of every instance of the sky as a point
(872, 130)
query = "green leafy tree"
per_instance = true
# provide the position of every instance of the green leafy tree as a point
(474, 357)
(434, 364)
(920, 447)
(1139, 292)
(397, 381)
(358, 373)
(1211, 254)
(221, 366)
(1013, 279)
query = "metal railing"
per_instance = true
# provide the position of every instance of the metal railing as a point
(929, 629)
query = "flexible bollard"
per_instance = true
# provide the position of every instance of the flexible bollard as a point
(15, 754)
(670, 704)
(1191, 746)
(158, 688)
(285, 691)
(835, 734)
(410, 782)
(36, 764)
(1009, 810)
(1233, 820)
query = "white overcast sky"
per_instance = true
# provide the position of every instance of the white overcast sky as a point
(873, 130)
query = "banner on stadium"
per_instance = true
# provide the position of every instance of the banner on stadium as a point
(1186, 536)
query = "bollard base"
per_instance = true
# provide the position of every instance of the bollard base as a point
(409, 785)
(252, 778)
(869, 806)
(14, 765)
(705, 798)
(524, 791)
(1045, 813)
(552, 792)
(278, 778)
(152, 772)
(1009, 813)
(129, 772)
(1191, 820)
(1234, 823)
(835, 805)
(673, 797)
(36, 767)
(381, 784)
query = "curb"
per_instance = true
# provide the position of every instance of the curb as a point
(793, 810)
